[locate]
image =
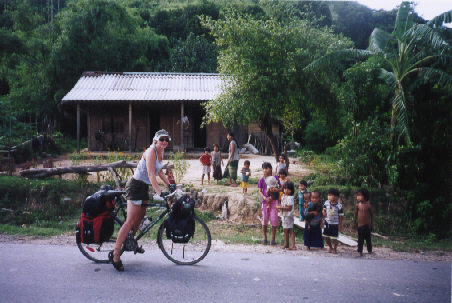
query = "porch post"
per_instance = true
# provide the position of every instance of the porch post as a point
(182, 126)
(88, 127)
(148, 129)
(130, 127)
(78, 128)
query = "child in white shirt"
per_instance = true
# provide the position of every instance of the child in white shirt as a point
(286, 208)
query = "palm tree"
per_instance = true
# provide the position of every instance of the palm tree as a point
(410, 54)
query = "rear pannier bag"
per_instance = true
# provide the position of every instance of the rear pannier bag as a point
(96, 204)
(96, 223)
(95, 229)
(84, 232)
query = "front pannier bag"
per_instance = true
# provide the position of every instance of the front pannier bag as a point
(180, 226)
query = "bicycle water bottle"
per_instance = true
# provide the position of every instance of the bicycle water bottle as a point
(145, 223)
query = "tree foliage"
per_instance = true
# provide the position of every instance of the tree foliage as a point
(262, 62)
(411, 51)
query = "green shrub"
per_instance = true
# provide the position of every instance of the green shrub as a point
(31, 201)
(318, 136)
(364, 154)
(66, 144)
(305, 156)
(180, 165)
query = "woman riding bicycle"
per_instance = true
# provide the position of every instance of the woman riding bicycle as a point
(137, 192)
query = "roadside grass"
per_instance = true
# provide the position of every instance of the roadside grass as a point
(413, 245)
(43, 228)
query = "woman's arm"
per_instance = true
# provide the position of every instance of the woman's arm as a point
(149, 155)
(164, 177)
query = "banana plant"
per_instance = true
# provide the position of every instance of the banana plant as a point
(411, 55)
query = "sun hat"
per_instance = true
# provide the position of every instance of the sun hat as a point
(161, 133)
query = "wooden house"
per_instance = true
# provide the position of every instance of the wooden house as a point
(124, 110)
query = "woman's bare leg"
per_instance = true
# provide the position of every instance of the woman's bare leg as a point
(140, 218)
(133, 213)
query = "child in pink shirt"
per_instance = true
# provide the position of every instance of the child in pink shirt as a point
(269, 210)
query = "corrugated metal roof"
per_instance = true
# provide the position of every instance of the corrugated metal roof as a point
(98, 86)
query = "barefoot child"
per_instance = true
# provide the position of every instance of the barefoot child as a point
(333, 213)
(270, 212)
(273, 189)
(246, 173)
(306, 206)
(206, 161)
(286, 209)
(363, 220)
(282, 179)
(170, 176)
(313, 234)
(217, 163)
(302, 188)
(281, 164)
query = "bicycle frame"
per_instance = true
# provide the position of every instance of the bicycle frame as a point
(147, 228)
(123, 205)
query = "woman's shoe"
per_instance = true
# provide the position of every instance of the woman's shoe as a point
(117, 265)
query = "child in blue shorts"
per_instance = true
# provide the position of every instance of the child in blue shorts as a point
(333, 213)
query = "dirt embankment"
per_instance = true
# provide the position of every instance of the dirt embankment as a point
(239, 209)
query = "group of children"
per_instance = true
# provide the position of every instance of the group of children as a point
(316, 215)
(215, 161)
(277, 194)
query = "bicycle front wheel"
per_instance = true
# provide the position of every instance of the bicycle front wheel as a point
(186, 253)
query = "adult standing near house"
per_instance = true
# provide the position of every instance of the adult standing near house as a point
(137, 191)
(233, 161)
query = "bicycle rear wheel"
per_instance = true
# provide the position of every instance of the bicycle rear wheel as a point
(97, 252)
(186, 253)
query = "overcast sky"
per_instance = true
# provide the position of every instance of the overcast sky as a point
(427, 9)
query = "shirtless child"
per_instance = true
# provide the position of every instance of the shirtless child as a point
(363, 220)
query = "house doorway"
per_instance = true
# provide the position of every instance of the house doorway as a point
(199, 134)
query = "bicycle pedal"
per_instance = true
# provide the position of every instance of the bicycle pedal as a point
(139, 250)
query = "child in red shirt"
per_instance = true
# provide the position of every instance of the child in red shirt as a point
(206, 161)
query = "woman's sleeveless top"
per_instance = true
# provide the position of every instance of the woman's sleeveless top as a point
(141, 173)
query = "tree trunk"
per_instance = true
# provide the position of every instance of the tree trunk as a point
(266, 126)
(82, 169)
(286, 157)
